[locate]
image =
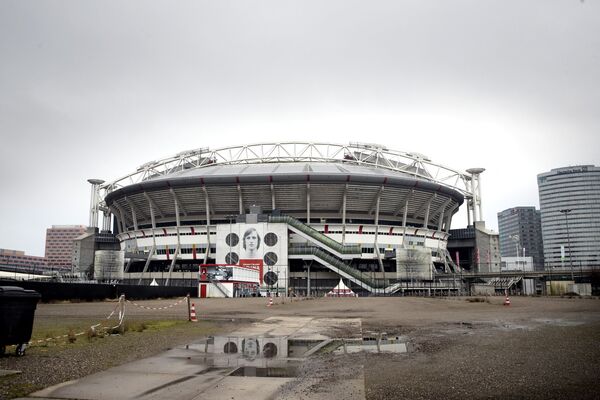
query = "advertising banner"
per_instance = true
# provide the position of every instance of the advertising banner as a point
(261, 246)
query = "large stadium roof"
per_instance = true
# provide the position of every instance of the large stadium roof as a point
(283, 176)
(282, 172)
(295, 158)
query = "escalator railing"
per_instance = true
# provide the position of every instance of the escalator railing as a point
(335, 263)
(316, 235)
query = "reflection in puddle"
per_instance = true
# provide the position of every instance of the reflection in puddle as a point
(278, 356)
(262, 350)
(298, 348)
(371, 345)
(265, 372)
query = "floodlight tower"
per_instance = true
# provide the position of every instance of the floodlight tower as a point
(94, 199)
(476, 192)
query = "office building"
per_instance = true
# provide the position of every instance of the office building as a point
(59, 245)
(570, 216)
(521, 234)
(18, 261)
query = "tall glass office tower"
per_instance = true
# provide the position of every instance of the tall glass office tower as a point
(570, 211)
(521, 234)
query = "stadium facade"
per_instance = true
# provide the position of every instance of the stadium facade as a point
(300, 215)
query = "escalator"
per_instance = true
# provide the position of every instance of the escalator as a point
(345, 271)
(331, 254)
(318, 238)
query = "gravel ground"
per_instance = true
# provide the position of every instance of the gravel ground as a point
(536, 348)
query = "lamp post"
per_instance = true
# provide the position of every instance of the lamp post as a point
(566, 212)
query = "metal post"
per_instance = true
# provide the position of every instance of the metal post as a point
(308, 283)
(189, 308)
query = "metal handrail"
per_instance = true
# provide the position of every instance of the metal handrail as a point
(315, 234)
(335, 262)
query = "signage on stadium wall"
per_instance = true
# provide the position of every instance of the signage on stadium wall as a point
(261, 246)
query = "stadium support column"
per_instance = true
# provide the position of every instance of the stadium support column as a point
(240, 200)
(133, 213)
(121, 218)
(427, 210)
(307, 202)
(207, 202)
(135, 228)
(344, 214)
(178, 249)
(94, 199)
(404, 217)
(272, 196)
(376, 244)
(441, 211)
(153, 250)
(449, 218)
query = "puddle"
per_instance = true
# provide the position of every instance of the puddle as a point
(372, 348)
(278, 356)
(371, 345)
(283, 372)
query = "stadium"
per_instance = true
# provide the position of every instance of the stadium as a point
(288, 218)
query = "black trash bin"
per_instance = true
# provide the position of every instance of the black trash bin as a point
(17, 307)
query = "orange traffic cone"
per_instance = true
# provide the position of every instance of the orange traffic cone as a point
(270, 302)
(193, 313)
(507, 301)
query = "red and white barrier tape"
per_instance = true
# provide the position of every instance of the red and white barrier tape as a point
(157, 308)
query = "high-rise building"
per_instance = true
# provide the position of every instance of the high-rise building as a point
(521, 232)
(570, 214)
(59, 244)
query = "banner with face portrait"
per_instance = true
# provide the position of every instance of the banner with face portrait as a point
(261, 246)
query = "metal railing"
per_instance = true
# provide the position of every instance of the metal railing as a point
(318, 236)
(218, 286)
(336, 263)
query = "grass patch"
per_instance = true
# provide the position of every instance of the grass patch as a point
(80, 333)
(17, 389)
(165, 324)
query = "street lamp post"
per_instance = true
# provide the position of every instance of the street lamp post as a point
(566, 212)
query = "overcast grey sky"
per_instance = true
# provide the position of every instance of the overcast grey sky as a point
(97, 88)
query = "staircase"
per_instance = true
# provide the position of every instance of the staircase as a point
(219, 286)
